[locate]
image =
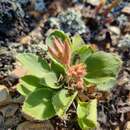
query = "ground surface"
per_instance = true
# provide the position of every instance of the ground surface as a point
(24, 27)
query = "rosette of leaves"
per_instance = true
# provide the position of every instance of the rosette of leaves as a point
(50, 88)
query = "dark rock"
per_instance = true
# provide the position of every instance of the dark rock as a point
(2, 125)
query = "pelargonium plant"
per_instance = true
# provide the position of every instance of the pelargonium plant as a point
(74, 74)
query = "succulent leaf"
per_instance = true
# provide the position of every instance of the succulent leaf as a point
(87, 114)
(38, 104)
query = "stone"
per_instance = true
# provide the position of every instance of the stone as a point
(126, 9)
(9, 110)
(56, 7)
(2, 125)
(46, 125)
(115, 30)
(93, 2)
(127, 28)
(40, 5)
(23, 2)
(35, 36)
(117, 128)
(128, 116)
(115, 33)
(18, 100)
(128, 125)
(13, 121)
(4, 95)
(123, 79)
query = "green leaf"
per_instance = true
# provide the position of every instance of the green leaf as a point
(103, 84)
(50, 80)
(57, 67)
(82, 54)
(102, 68)
(56, 33)
(38, 104)
(102, 64)
(77, 42)
(62, 101)
(87, 114)
(39, 68)
(34, 64)
(28, 84)
(107, 85)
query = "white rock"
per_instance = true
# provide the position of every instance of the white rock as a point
(115, 30)
(93, 2)
(115, 34)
